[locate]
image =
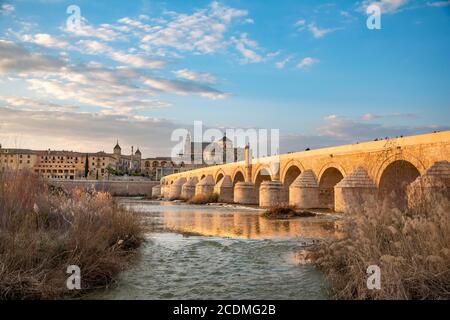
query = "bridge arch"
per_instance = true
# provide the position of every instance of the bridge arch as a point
(405, 156)
(263, 169)
(394, 180)
(219, 175)
(329, 176)
(291, 170)
(263, 173)
(238, 175)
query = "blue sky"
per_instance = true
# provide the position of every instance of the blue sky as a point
(137, 70)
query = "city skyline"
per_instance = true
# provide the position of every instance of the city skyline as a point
(141, 70)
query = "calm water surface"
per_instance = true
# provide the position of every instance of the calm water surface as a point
(214, 252)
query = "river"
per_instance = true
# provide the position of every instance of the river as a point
(220, 252)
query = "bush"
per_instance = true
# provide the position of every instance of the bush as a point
(412, 248)
(43, 232)
(283, 211)
(204, 199)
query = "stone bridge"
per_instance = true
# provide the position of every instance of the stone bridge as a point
(336, 178)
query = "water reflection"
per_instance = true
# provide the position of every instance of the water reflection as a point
(236, 222)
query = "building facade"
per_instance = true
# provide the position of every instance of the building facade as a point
(200, 154)
(72, 165)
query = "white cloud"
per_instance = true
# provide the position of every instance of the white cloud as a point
(300, 24)
(133, 60)
(281, 64)
(247, 48)
(204, 31)
(136, 61)
(105, 32)
(386, 6)
(7, 8)
(307, 62)
(203, 77)
(318, 32)
(45, 40)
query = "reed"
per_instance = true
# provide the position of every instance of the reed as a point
(411, 247)
(43, 231)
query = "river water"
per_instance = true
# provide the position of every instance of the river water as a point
(221, 252)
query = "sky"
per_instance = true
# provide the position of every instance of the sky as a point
(137, 70)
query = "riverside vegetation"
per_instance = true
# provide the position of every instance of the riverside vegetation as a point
(43, 231)
(411, 247)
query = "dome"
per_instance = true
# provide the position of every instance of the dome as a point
(117, 147)
(138, 152)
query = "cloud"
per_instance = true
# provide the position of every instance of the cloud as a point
(6, 8)
(184, 88)
(45, 40)
(105, 32)
(247, 48)
(136, 61)
(15, 58)
(58, 130)
(307, 62)
(133, 60)
(300, 23)
(318, 32)
(372, 116)
(203, 77)
(281, 64)
(439, 4)
(202, 32)
(386, 6)
(26, 104)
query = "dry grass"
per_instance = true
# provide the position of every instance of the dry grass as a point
(412, 248)
(204, 199)
(44, 231)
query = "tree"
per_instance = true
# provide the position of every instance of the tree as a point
(86, 167)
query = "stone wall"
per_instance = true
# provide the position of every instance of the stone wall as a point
(116, 188)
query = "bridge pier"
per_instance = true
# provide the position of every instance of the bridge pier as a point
(165, 191)
(245, 193)
(426, 189)
(355, 191)
(271, 193)
(188, 189)
(304, 191)
(175, 189)
(205, 186)
(224, 188)
(156, 191)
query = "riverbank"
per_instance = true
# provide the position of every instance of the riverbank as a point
(410, 247)
(44, 231)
